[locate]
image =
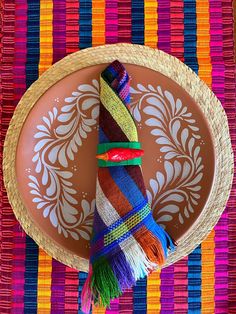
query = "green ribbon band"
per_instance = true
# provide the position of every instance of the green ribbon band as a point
(104, 147)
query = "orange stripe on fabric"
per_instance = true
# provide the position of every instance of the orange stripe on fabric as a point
(151, 39)
(46, 16)
(116, 197)
(153, 293)
(205, 73)
(98, 310)
(150, 21)
(98, 22)
(208, 274)
(45, 61)
(44, 283)
(203, 41)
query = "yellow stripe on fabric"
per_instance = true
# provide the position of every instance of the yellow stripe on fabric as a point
(98, 22)
(150, 21)
(205, 73)
(44, 283)
(203, 41)
(118, 111)
(153, 293)
(151, 40)
(46, 42)
(45, 61)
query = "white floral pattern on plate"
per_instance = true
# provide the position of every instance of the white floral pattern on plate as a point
(170, 123)
(60, 144)
(176, 131)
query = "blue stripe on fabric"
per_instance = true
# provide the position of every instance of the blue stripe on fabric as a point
(137, 32)
(31, 251)
(137, 21)
(31, 276)
(33, 43)
(194, 281)
(190, 35)
(126, 185)
(85, 24)
(140, 297)
(190, 58)
(82, 279)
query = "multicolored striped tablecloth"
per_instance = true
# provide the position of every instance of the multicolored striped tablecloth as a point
(35, 34)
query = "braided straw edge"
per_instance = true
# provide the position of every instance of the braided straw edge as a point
(156, 60)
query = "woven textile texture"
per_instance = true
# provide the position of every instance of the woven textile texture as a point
(36, 34)
(127, 244)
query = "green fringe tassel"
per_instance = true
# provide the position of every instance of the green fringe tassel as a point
(104, 284)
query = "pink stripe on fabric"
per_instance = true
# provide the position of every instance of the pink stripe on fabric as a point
(180, 268)
(181, 286)
(71, 290)
(230, 101)
(111, 12)
(126, 302)
(20, 49)
(19, 77)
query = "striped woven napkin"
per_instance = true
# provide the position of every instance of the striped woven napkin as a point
(127, 244)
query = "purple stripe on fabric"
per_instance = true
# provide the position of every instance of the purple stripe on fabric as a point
(59, 30)
(167, 290)
(114, 308)
(18, 272)
(164, 25)
(221, 229)
(58, 288)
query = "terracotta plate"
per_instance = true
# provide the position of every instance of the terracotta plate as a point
(55, 161)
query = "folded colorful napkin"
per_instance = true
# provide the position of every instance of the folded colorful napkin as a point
(127, 244)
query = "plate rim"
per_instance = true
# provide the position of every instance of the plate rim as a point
(167, 65)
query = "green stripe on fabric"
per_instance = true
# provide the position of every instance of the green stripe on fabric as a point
(127, 225)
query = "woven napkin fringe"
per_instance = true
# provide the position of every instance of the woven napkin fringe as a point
(109, 277)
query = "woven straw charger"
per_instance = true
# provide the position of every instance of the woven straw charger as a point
(59, 113)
